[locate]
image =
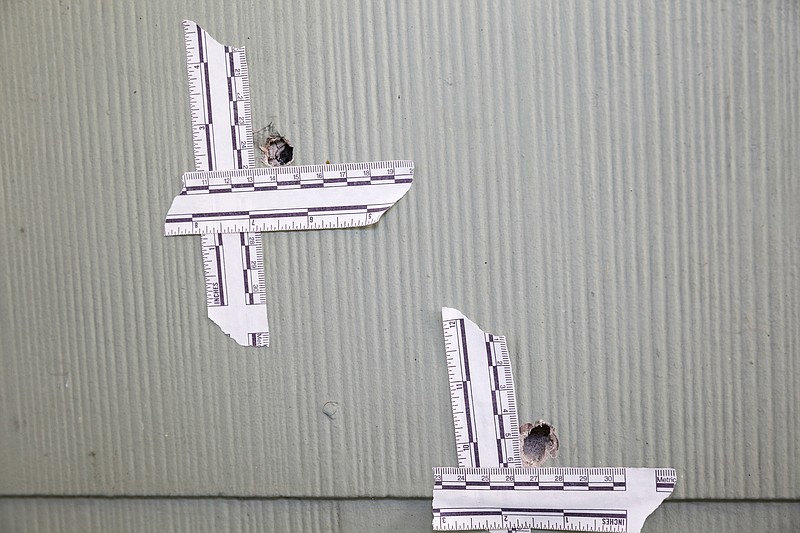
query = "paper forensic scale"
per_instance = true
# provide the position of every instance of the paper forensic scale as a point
(229, 202)
(489, 489)
(288, 198)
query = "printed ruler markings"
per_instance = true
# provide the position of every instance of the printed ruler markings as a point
(253, 273)
(458, 365)
(507, 497)
(233, 201)
(495, 385)
(275, 199)
(495, 379)
(213, 262)
(587, 499)
(309, 176)
(218, 87)
(466, 388)
(548, 478)
(253, 221)
(495, 441)
(665, 479)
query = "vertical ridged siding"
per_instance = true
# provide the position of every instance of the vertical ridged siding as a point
(613, 187)
(22, 515)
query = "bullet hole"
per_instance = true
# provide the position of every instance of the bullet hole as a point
(275, 147)
(538, 442)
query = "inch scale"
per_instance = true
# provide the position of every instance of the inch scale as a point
(482, 395)
(478, 365)
(289, 198)
(489, 489)
(229, 202)
(219, 103)
(579, 499)
(247, 287)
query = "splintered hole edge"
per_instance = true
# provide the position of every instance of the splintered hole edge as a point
(276, 148)
(538, 442)
(542, 430)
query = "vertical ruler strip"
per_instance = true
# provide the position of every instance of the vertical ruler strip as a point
(219, 98)
(482, 394)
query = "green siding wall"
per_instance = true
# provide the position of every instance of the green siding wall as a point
(614, 186)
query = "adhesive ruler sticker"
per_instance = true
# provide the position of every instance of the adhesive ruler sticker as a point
(229, 202)
(482, 394)
(288, 198)
(579, 499)
(489, 489)
(219, 101)
(233, 267)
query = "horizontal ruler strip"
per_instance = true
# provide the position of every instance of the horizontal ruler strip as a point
(309, 176)
(464, 499)
(501, 520)
(281, 210)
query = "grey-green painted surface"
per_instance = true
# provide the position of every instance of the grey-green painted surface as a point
(613, 186)
(343, 516)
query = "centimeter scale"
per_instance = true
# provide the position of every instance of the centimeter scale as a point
(228, 201)
(489, 489)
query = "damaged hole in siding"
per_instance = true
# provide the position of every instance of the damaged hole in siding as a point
(275, 147)
(538, 442)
